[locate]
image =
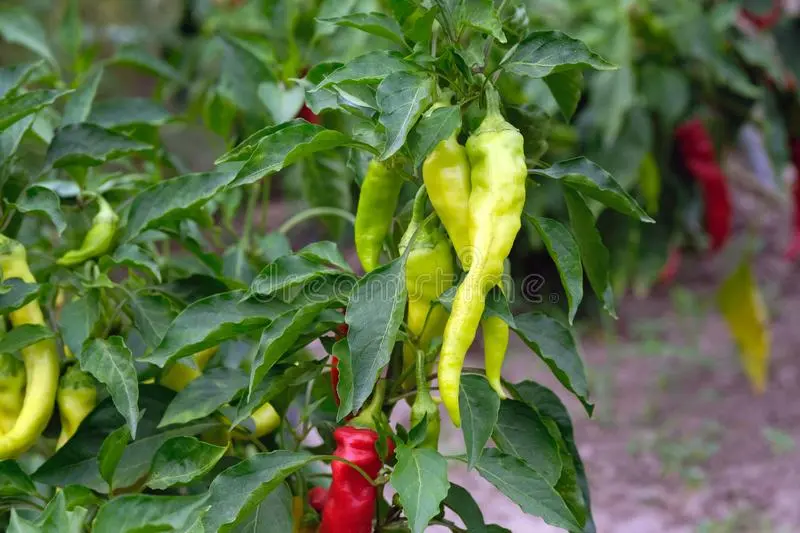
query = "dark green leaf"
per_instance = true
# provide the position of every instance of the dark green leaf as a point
(14, 482)
(374, 23)
(402, 97)
(182, 460)
(544, 52)
(566, 88)
(111, 363)
(420, 479)
(371, 67)
(594, 254)
(132, 256)
(141, 59)
(78, 496)
(174, 199)
(111, 453)
(327, 182)
(38, 199)
(125, 112)
(431, 129)
(287, 272)
(79, 320)
(11, 138)
(481, 15)
(666, 90)
(204, 395)
(80, 102)
(294, 375)
(553, 342)
(325, 252)
(22, 336)
(591, 180)
(521, 432)
(54, 519)
(14, 76)
(15, 293)
(273, 515)
(18, 26)
(564, 251)
(526, 488)
(464, 505)
(239, 489)
(479, 405)
(374, 315)
(135, 513)
(15, 108)
(243, 69)
(287, 145)
(152, 315)
(89, 145)
(207, 322)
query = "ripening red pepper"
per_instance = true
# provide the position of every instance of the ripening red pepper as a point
(306, 114)
(341, 332)
(794, 247)
(317, 496)
(351, 499)
(766, 21)
(700, 158)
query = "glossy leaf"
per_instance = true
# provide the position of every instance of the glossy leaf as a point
(566, 88)
(11, 138)
(79, 320)
(143, 60)
(152, 315)
(420, 479)
(111, 453)
(479, 406)
(461, 502)
(553, 342)
(287, 272)
(126, 112)
(20, 27)
(14, 76)
(204, 395)
(482, 15)
(431, 130)
(132, 513)
(111, 363)
(544, 52)
(374, 23)
(368, 68)
(15, 108)
(38, 199)
(14, 482)
(132, 256)
(402, 97)
(79, 104)
(521, 432)
(89, 145)
(14, 293)
(22, 336)
(181, 460)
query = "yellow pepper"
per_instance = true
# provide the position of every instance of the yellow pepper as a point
(76, 398)
(12, 390)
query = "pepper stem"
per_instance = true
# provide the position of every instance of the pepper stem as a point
(493, 103)
(366, 418)
(417, 216)
(422, 378)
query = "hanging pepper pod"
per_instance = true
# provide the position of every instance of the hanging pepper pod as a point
(76, 398)
(12, 390)
(98, 239)
(424, 407)
(380, 193)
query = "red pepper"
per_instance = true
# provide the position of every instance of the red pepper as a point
(341, 332)
(766, 21)
(317, 496)
(307, 114)
(694, 143)
(671, 267)
(350, 505)
(794, 248)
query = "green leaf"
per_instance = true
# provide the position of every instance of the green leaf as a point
(464, 505)
(325, 252)
(18, 26)
(111, 363)
(204, 395)
(402, 97)
(134, 513)
(374, 23)
(287, 272)
(207, 322)
(79, 320)
(591, 180)
(481, 15)
(22, 336)
(283, 103)
(371, 67)
(521, 432)
(14, 76)
(111, 453)
(11, 138)
(15, 108)
(39, 199)
(78, 496)
(666, 90)
(89, 145)
(549, 405)
(298, 139)
(327, 182)
(172, 200)
(54, 519)
(594, 254)
(152, 315)
(374, 315)
(239, 489)
(182, 460)
(273, 515)
(545, 52)
(526, 488)
(132, 256)
(80, 102)
(76, 462)
(553, 342)
(126, 112)
(420, 479)
(431, 129)
(479, 406)
(14, 293)
(243, 69)
(564, 251)
(14, 482)
(143, 60)
(566, 88)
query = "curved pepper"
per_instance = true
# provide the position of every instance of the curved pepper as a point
(98, 239)
(12, 390)
(429, 273)
(179, 375)
(76, 397)
(424, 406)
(351, 502)
(499, 172)
(265, 419)
(377, 203)
(496, 334)
(41, 361)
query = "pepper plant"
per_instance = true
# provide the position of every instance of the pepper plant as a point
(191, 368)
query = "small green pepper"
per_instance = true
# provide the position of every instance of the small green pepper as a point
(98, 239)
